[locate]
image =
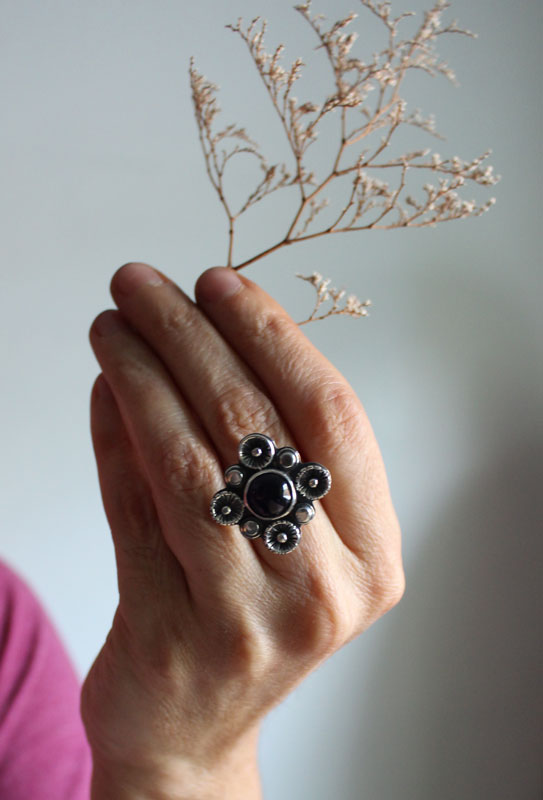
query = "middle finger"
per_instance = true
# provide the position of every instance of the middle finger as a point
(228, 398)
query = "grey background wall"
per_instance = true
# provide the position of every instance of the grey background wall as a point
(100, 165)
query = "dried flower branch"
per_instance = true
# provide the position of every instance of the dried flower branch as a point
(352, 306)
(365, 99)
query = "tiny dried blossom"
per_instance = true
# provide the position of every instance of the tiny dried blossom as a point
(325, 293)
(365, 99)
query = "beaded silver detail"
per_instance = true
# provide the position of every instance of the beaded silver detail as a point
(226, 508)
(256, 451)
(304, 513)
(313, 481)
(282, 537)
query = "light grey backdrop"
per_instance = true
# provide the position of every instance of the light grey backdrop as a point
(100, 165)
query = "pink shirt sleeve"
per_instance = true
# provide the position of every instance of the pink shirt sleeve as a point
(44, 754)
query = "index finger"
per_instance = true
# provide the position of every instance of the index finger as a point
(315, 400)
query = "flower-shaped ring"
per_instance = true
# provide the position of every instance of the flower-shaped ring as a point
(270, 493)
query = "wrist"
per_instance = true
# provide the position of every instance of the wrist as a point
(233, 777)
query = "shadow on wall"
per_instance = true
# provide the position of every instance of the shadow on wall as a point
(457, 710)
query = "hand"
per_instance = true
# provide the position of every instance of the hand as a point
(213, 630)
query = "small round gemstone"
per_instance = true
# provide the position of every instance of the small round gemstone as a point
(313, 483)
(233, 476)
(282, 538)
(270, 494)
(256, 452)
(288, 457)
(226, 510)
(250, 528)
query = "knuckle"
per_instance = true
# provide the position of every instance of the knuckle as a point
(239, 410)
(242, 648)
(269, 325)
(338, 411)
(171, 318)
(326, 615)
(334, 621)
(387, 585)
(377, 568)
(181, 465)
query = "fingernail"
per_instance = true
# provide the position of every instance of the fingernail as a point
(217, 283)
(131, 276)
(108, 322)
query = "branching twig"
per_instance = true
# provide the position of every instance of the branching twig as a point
(365, 99)
(352, 306)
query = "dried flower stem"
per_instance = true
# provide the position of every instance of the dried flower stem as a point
(352, 306)
(370, 203)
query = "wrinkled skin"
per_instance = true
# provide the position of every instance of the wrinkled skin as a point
(213, 630)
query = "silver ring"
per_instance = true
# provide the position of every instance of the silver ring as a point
(270, 492)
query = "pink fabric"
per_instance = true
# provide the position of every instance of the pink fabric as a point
(44, 754)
